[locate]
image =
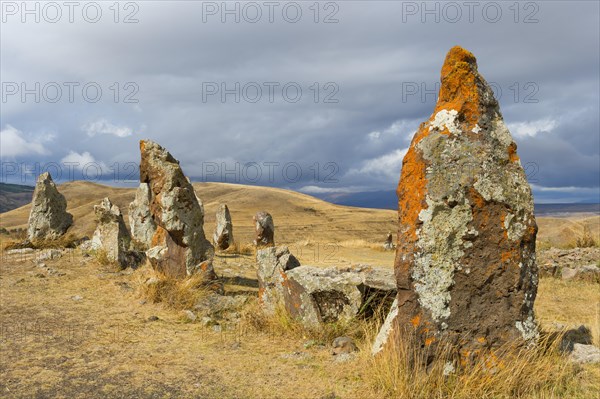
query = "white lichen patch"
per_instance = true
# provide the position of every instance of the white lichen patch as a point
(476, 129)
(500, 132)
(528, 329)
(386, 329)
(441, 248)
(514, 228)
(445, 119)
(448, 369)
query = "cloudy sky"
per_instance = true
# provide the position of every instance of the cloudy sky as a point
(313, 96)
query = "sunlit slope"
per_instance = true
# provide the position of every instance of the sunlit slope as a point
(298, 217)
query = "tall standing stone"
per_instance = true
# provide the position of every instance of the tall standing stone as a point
(465, 264)
(264, 229)
(223, 236)
(179, 246)
(111, 234)
(48, 219)
(140, 220)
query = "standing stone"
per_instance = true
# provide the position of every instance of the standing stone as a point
(465, 265)
(389, 242)
(223, 236)
(179, 246)
(272, 264)
(140, 220)
(48, 218)
(265, 229)
(111, 234)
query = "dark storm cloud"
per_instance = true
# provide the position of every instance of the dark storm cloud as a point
(364, 66)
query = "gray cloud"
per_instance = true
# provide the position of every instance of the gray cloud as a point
(547, 73)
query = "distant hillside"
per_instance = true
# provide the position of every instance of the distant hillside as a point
(298, 217)
(367, 199)
(13, 196)
(388, 200)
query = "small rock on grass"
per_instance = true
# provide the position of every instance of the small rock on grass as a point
(583, 354)
(342, 345)
(189, 315)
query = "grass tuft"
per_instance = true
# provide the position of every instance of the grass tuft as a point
(178, 294)
(401, 370)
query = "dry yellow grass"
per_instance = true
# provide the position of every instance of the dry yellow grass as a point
(54, 344)
(177, 294)
(401, 371)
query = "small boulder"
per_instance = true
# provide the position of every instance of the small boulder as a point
(583, 354)
(48, 219)
(223, 236)
(343, 345)
(587, 273)
(581, 335)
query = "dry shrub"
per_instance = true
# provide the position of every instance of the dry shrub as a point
(240, 249)
(18, 233)
(359, 243)
(101, 256)
(65, 241)
(281, 323)
(587, 240)
(400, 371)
(178, 294)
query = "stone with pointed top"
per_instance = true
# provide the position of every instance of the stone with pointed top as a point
(48, 219)
(265, 229)
(465, 264)
(178, 246)
(223, 236)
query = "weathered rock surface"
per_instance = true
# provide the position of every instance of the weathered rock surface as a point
(48, 218)
(265, 229)
(580, 335)
(179, 246)
(111, 234)
(316, 295)
(223, 236)
(588, 273)
(343, 345)
(465, 264)
(583, 354)
(272, 264)
(140, 220)
(386, 331)
(577, 264)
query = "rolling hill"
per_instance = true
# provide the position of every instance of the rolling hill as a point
(13, 196)
(299, 218)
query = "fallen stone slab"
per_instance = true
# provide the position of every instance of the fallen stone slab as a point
(317, 295)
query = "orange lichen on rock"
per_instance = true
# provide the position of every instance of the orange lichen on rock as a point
(460, 89)
(512, 152)
(466, 233)
(159, 237)
(416, 321)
